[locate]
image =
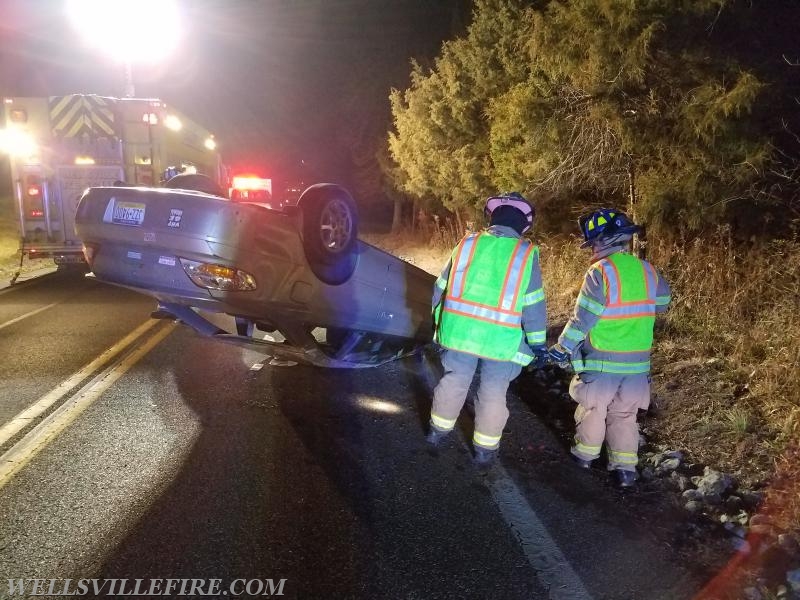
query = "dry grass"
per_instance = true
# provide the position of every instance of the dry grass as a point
(563, 266)
(9, 236)
(9, 240)
(9, 245)
(735, 315)
(741, 306)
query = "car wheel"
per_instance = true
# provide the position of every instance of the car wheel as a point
(330, 232)
(195, 182)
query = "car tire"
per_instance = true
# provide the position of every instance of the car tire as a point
(195, 182)
(330, 232)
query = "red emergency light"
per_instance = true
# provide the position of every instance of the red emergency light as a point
(34, 190)
(250, 188)
(250, 182)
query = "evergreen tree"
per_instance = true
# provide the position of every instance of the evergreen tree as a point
(441, 133)
(581, 102)
(635, 90)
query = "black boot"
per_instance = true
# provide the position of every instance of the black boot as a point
(484, 457)
(581, 462)
(623, 478)
(435, 435)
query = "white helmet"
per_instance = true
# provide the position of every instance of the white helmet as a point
(514, 199)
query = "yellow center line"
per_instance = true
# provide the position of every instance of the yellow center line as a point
(24, 418)
(30, 314)
(44, 433)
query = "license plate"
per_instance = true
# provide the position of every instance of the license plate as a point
(128, 213)
(68, 259)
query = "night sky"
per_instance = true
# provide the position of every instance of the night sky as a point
(268, 77)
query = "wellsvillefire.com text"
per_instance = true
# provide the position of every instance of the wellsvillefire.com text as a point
(145, 587)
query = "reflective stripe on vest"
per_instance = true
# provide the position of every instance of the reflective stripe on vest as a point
(505, 312)
(608, 365)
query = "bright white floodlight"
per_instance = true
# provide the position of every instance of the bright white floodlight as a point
(17, 143)
(172, 122)
(130, 31)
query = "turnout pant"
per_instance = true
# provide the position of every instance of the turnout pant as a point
(450, 393)
(607, 405)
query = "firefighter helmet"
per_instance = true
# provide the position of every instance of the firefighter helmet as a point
(515, 200)
(604, 224)
(169, 173)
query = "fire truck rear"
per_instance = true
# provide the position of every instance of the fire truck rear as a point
(60, 145)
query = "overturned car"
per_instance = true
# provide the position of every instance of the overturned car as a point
(293, 282)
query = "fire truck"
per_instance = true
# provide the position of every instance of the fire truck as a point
(60, 145)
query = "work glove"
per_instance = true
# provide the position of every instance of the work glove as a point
(540, 356)
(559, 355)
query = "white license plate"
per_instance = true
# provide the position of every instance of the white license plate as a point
(68, 259)
(128, 213)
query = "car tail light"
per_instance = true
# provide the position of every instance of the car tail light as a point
(218, 277)
(89, 252)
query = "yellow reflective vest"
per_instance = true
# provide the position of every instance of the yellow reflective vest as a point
(485, 293)
(611, 329)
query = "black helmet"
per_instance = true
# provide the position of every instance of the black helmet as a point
(605, 223)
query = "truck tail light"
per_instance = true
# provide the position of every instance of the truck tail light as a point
(32, 199)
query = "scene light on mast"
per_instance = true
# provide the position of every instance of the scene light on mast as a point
(116, 28)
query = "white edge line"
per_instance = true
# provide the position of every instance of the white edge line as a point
(541, 550)
(26, 315)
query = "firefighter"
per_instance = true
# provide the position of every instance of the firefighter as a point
(489, 316)
(608, 340)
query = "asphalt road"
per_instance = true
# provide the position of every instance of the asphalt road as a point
(189, 458)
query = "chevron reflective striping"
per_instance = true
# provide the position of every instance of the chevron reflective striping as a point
(75, 115)
(58, 104)
(63, 111)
